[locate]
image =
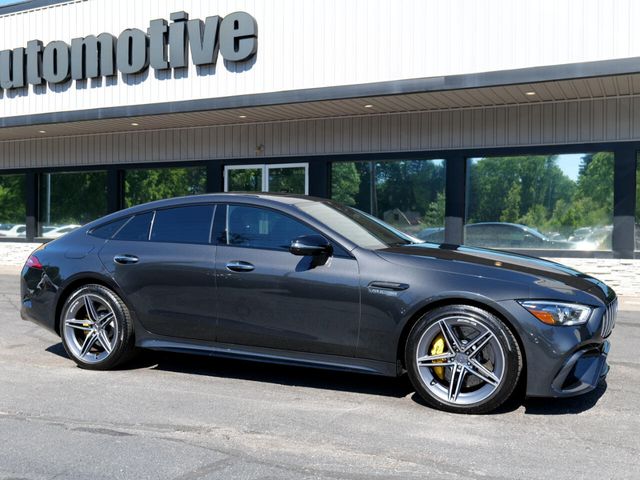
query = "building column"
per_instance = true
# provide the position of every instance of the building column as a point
(115, 190)
(455, 198)
(624, 201)
(32, 205)
(215, 180)
(319, 172)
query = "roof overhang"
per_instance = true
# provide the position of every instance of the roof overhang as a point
(559, 83)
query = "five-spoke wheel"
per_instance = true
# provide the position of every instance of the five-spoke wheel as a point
(463, 359)
(96, 328)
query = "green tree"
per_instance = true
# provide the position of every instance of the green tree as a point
(345, 182)
(511, 212)
(12, 199)
(434, 215)
(155, 184)
(75, 197)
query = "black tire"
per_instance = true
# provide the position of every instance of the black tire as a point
(470, 394)
(117, 331)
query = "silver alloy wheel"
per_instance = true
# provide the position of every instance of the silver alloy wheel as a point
(472, 365)
(90, 328)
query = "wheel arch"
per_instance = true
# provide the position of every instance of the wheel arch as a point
(77, 281)
(482, 303)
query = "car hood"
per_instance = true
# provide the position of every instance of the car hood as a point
(499, 264)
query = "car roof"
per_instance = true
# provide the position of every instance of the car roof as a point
(264, 199)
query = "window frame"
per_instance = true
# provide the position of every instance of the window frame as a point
(338, 249)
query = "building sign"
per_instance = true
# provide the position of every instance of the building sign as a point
(164, 46)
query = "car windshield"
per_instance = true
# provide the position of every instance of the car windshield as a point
(361, 228)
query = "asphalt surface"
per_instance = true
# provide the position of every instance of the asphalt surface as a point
(171, 416)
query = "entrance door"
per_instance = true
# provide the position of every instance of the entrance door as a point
(276, 178)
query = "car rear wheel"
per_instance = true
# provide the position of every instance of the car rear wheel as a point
(96, 328)
(463, 359)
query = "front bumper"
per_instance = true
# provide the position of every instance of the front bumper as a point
(582, 371)
(562, 361)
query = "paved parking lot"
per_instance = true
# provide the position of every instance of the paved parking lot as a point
(178, 417)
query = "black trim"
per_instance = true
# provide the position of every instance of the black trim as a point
(397, 87)
(33, 205)
(455, 198)
(624, 201)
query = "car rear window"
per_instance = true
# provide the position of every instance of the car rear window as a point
(136, 229)
(109, 229)
(191, 224)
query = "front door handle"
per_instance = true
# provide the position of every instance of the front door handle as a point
(239, 266)
(125, 259)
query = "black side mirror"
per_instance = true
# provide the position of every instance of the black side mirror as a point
(311, 245)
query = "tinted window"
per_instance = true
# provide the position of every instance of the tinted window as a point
(107, 231)
(360, 228)
(260, 228)
(183, 225)
(137, 229)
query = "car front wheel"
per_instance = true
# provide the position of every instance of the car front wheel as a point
(463, 359)
(96, 328)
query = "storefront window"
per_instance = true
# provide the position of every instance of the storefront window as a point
(147, 185)
(12, 206)
(71, 199)
(408, 194)
(545, 202)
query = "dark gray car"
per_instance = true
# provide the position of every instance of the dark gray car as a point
(310, 282)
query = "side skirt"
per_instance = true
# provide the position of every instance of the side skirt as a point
(268, 355)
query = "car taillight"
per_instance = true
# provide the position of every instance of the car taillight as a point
(33, 262)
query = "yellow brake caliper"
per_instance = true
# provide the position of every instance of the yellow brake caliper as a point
(437, 348)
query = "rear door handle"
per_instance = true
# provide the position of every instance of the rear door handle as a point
(125, 259)
(239, 266)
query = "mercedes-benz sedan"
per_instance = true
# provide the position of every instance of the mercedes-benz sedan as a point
(310, 282)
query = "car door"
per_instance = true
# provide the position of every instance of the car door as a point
(268, 297)
(163, 261)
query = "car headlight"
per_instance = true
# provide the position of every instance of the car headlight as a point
(556, 313)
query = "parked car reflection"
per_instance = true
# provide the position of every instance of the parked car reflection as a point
(514, 235)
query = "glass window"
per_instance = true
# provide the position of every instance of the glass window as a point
(147, 185)
(190, 224)
(136, 229)
(362, 229)
(552, 202)
(287, 179)
(71, 199)
(407, 194)
(108, 230)
(244, 179)
(261, 228)
(12, 206)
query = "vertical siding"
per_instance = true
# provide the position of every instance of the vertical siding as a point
(319, 43)
(602, 120)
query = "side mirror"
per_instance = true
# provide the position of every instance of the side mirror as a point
(311, 245)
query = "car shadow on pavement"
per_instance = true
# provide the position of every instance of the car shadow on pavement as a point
(565, 406)
(331, 380)
(264, 372)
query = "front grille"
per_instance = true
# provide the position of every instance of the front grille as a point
(609, 318)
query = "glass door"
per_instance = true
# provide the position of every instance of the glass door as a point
(247, 178)
(276, 178)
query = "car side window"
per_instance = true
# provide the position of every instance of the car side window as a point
(189, 224)
(107, 230)
(136, 229)
(254, 227)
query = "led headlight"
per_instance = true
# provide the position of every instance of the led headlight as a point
(555, 313)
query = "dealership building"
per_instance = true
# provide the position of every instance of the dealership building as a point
(500, 123)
